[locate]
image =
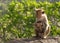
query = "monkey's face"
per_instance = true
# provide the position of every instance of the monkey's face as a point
(39, 13)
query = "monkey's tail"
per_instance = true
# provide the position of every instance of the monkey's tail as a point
(48, 31)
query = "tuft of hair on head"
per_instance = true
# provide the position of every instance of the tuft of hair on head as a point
(39, 9)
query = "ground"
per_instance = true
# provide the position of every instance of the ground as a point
(35, 40)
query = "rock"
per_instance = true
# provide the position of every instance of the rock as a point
(35, 40)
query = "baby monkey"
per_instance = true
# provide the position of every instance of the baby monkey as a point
(42, 29)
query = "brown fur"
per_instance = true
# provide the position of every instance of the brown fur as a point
(41, 24)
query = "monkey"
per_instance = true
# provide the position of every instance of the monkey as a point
(42, 29)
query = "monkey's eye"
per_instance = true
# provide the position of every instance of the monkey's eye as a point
(43, 12)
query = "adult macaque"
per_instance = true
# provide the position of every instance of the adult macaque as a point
(41, 25)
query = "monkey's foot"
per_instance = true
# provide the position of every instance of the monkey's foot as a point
(45, 37)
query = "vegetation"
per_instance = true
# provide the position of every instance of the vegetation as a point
(17, 21)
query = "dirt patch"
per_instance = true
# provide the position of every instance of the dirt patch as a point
(36, 40)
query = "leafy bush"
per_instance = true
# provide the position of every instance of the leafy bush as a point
(18, 21)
